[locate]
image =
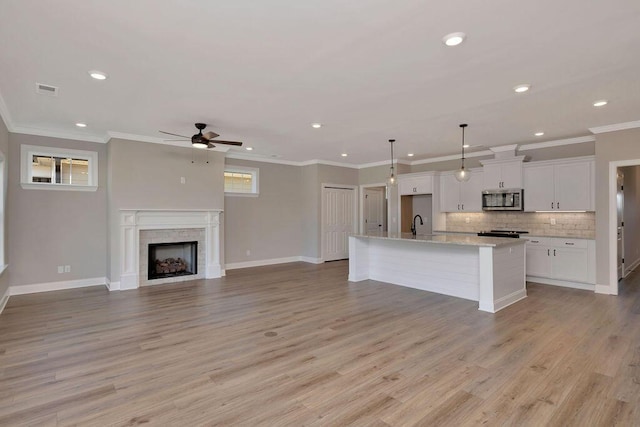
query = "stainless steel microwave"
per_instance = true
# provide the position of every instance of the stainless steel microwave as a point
(503, 200)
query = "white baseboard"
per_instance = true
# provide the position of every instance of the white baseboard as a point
(4, 299)
(112, 286)
(631, 266)
(273, 261)
(56, 286)
(563, 283)
(503, 302)
(311, 260)
(604, 289)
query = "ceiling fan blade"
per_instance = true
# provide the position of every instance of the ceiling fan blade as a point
(174, 134)
(181, 140)
(210, 135)
(227, 142)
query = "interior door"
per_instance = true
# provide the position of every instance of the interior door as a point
(373, 210)
(620, 225)
(338, 207)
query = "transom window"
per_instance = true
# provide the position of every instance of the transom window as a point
(58, 169)
(241, 181)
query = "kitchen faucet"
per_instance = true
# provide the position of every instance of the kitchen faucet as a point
(413, 225)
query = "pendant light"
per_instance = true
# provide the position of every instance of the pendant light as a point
(462, 175)
(392, 181)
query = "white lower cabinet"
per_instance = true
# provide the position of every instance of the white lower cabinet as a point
(568, 262)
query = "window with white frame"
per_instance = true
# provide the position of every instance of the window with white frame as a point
(241, 181)
(52, 168)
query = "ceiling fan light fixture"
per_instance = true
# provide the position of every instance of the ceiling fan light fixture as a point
(199, 144)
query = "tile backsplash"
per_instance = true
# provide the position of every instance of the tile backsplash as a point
(569, 224)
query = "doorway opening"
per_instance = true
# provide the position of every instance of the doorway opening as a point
(624, 222)
(339, 219)
(374, 208)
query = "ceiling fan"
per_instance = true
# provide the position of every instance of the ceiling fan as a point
(200, 140)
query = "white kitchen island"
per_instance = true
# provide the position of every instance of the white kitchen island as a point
(490, 270)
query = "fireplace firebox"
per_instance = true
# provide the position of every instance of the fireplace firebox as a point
(172, 259)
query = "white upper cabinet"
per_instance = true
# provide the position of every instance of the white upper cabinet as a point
(559, 186)
(461, 196)
(499, 174)
(415, 184)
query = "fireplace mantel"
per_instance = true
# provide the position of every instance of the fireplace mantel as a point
(134, 220)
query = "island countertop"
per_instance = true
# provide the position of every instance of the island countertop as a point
(447, 239)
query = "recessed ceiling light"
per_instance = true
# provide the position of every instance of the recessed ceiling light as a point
(539, 133)
(316, 125)
(81, 125)
(466, 146)
(344, 154)
(410, 154)
(98, 75)
(600, 103)
(454, 39)
(249, 148)
(522, 88)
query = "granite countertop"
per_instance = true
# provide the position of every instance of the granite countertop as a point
(447, 239)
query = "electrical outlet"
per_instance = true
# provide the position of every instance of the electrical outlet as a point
(60, 269)
(248, 252)
(553, 221)
(183, 180)
(67, 269)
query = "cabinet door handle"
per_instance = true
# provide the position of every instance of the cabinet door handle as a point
(557, 205)
(569, 243)
(548, 252)
(554, 252)
(551, 205)
(535, 241)
(462, 206)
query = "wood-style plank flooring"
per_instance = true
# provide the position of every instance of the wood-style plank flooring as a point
(297, 344)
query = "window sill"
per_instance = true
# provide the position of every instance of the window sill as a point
(58, 187)
(241, 194)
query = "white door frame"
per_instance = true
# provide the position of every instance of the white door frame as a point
(612, 287)
(361, 215)
(354, 200)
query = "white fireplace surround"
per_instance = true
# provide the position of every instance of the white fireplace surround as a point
(132, 221)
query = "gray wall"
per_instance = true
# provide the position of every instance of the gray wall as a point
(147, 176)
(270, 225)
(611, 146)
(49, 228)
(4, 149)
(631, 214)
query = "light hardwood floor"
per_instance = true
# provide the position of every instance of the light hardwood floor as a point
(297, 344)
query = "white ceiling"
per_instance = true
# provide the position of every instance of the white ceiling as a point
(262, 71)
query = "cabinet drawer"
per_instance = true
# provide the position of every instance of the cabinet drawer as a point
(538, 241)
(570, 243)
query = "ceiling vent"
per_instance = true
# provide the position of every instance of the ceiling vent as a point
(43, 89)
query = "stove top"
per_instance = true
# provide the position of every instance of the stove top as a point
(502, 233)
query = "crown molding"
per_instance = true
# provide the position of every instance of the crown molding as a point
(258, 158)
(58, 134)
(4, 113)
(557, 143)
(615, 127)
(452, 157)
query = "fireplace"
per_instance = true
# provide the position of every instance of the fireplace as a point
(172, 259)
